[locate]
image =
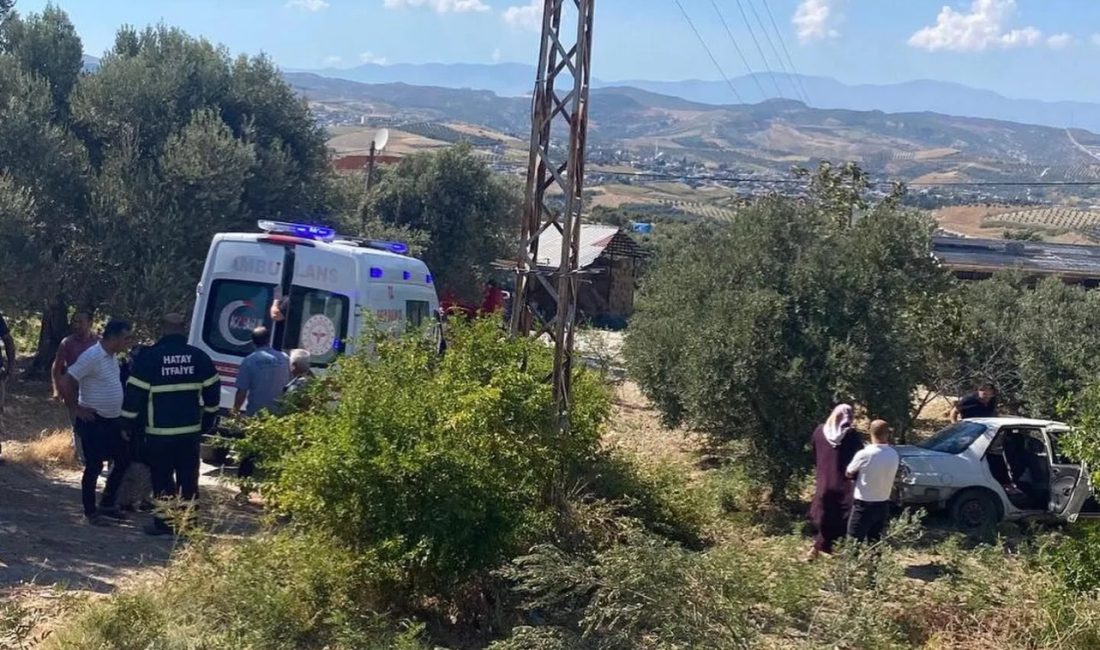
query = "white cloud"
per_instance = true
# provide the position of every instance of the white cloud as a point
(496, 55)
(440, 6)
(1095, 38)
(1060, 41)
(982, 27)
(369, 57)
(311, 6)
(333, 60)
(528, 16)
(816, 20)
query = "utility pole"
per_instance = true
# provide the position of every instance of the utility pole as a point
(377, 144)
(555, 173)
(366, 191)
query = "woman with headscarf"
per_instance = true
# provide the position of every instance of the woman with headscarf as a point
(834, 444)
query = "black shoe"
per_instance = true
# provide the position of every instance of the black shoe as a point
(157, 529)
(96, 520)
(111, 513)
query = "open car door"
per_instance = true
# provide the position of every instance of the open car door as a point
(1070, 486)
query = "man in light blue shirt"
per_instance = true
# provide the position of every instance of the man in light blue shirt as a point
(262, 376)
(260, 383)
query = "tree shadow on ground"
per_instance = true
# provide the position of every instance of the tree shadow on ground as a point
(44, 540)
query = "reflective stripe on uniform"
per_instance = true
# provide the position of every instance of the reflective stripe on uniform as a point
(173, 431)
(212, 409)
(210, 382)
(175, 388)
(134, 381)
(129, 415)
(171, 388)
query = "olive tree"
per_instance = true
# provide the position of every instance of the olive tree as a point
(748, 330)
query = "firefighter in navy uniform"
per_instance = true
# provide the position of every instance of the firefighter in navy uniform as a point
(172, 398)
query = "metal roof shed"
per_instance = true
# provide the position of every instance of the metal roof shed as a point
(606, 294)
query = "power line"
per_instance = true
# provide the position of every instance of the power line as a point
(759, 50)
(783, 44)
(709, 53)
(729, 32)
(771, 46)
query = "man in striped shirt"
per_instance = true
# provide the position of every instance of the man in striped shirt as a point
(92, 389)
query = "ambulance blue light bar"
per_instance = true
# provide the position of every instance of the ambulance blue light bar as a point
(392, 246)
(302, 230)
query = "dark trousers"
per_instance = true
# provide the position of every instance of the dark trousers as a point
(101, 440)
(174, 469)
(868, 520)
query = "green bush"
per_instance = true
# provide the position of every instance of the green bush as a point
(663, 498)
(1077, 559)
(437, 469)
(279, 592)
(643, 593)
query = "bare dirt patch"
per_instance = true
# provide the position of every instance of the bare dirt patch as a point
(45, 544)
(636, 428)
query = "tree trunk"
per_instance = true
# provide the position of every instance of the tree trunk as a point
(55, 325)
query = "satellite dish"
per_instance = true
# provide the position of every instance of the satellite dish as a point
(381, 138)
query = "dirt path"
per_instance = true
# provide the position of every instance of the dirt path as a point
(44, 542)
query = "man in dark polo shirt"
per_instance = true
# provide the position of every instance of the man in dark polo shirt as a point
(7, 366)
(980, 404)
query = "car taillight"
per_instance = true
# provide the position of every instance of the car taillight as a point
(905, 475)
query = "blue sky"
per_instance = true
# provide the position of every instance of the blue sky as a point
(1045, 49)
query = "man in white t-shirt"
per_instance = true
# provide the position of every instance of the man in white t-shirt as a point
(92, 389)
(873, 468)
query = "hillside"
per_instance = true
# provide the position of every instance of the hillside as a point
(769, 136)
(515, 80)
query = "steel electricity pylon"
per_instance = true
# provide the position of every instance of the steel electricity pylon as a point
(555, 179)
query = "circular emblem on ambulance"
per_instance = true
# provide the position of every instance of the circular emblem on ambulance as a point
(318, 335)
(237, 321)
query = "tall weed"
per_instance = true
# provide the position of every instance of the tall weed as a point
(278, 592)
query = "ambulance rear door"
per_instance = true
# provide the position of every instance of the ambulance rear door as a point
(321, 300)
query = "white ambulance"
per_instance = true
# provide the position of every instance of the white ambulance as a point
(329, 288)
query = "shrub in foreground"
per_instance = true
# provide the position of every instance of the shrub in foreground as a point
(280, 592)
(435, 468)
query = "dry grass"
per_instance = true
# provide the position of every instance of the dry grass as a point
(53, 449)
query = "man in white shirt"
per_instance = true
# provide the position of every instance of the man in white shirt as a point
(873, 468)
(92, 389)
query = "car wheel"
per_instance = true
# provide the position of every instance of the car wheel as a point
(975, 509)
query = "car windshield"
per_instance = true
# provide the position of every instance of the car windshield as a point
(954, 439)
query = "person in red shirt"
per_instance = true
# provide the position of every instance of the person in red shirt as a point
(493, 300)
(72, 346)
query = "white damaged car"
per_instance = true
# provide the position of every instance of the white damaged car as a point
(986, 470)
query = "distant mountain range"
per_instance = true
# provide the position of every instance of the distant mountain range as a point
(918, 130)
(766, 136)
(515, 80)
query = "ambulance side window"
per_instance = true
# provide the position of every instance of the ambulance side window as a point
(417, 312)
(318, 323)
(234, 308)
